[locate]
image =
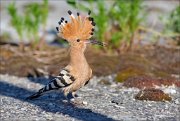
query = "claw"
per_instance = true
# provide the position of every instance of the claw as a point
(77, 102)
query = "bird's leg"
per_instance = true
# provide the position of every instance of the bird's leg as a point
(66, 100)
(66, 93)
(76, 100)
(74, 97)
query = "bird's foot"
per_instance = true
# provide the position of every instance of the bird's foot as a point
(77, 101)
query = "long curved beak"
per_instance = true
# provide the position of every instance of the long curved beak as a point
(95, 42)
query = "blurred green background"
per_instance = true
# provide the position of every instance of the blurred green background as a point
(122, 24)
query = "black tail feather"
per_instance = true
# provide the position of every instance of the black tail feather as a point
(36, 95)
(54, 84)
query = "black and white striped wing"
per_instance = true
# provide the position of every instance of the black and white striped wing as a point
(64, 79)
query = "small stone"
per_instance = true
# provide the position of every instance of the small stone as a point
(177, 101)
(117, 106)
(64, 101)
(23, 109)
(84, 102)
(115, 101)
(2, 111)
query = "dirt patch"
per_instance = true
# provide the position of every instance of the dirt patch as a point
(153, 95)
(143, 82)
(151, 61)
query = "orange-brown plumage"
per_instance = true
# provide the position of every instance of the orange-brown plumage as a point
(80, 27)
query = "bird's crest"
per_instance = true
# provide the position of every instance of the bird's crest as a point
(81, 27)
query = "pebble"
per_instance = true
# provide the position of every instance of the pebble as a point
(115, 101)
(85, 103)
(177, 101)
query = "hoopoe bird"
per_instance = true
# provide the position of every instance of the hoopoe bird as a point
(78, 72)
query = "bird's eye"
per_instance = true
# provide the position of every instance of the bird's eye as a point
(78, 40)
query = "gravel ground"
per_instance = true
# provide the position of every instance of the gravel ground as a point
(104, 103)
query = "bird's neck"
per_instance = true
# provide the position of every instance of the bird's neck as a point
(77, 58)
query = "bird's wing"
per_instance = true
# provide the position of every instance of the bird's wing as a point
(64, 79)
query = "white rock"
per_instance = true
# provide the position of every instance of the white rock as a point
(84, 102)
(177, 101)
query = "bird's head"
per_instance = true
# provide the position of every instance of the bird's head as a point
(78, 31)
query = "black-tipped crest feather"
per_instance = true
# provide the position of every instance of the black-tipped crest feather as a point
(57, 28)
(69, 12)
(89, 12)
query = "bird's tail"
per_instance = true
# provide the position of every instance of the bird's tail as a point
(63, 80)
(37, 94)
(53, 85)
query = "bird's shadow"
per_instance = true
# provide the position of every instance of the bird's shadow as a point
(51, 104)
